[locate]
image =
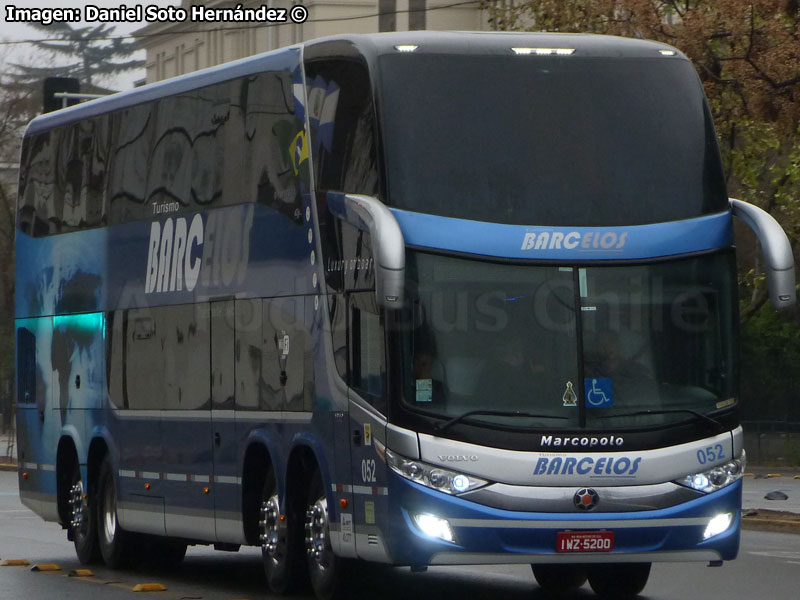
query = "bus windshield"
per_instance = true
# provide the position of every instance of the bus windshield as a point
(537, 140)
(544, 340)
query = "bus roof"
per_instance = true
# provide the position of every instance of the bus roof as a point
(494, 42)
(371, 46)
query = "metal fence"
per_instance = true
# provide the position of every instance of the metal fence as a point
(772, 442)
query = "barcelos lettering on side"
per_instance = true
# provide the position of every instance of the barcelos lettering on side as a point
(570, 398)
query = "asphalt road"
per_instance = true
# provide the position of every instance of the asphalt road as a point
(768, 566)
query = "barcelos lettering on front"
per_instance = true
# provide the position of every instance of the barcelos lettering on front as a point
(574, 240)
(595, 467)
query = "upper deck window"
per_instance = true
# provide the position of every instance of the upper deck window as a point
(548, 140)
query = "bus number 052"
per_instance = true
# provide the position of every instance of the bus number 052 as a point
(710, 454)
(368, 471)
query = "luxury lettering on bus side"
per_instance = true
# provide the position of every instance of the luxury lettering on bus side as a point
(182, 252)
(572, 240)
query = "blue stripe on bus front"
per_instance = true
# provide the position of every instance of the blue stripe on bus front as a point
(566, 243)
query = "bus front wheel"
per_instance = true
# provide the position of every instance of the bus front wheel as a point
(621, 581)
(112, 539)
(327, 572)
(559, 580)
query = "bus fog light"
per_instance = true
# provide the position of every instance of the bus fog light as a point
(435, 527)
(718, 524)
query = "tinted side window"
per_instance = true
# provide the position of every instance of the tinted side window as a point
(225, 144)
(222, 363)
(261, 143)
(338, 310)
(273, 355)
(367, 349)
(26, 366)
(342, 117)
(158, 358)
(64, 176)
(131, 142)
(179, 121)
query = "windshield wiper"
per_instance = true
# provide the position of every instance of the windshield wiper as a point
(666, 411)
(492, 413)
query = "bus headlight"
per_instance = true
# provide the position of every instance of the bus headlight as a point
(437, 478)
(716, 478)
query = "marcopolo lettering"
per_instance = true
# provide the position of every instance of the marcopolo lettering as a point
(604, 466)
(591, 241)
(582, 441)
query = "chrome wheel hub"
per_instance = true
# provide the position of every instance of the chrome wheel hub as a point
(269, 524)
(77, 505)
(317, 531)
(108, 517)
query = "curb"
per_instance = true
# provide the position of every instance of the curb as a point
(770, 520)
(8, 467)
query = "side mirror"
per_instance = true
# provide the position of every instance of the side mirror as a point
(388, 246)
(777, 250)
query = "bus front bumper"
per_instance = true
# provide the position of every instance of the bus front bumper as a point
(456, 531)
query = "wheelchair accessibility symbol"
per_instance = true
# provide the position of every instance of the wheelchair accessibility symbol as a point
(599, 392)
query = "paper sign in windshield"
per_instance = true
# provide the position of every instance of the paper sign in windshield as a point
(424, 390)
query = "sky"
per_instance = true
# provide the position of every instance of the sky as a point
(13, 48)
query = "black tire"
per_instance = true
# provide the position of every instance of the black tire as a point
(82, 520)
(114, 542)
(328, 573)
(280, 551)
(559, 580)
(619, 581)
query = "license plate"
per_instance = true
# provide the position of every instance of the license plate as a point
(584, 541)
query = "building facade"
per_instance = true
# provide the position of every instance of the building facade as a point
(177, 48)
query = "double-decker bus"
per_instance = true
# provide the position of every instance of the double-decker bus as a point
(414, 298)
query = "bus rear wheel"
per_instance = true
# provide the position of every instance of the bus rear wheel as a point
(276, 545)
(82, 520)
(559, 580)
(328, 573)
(113, 541)
(619, 580)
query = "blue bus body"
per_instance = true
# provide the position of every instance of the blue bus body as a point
(197, 344)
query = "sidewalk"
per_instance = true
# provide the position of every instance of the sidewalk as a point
(771, 499)
(8, 452)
